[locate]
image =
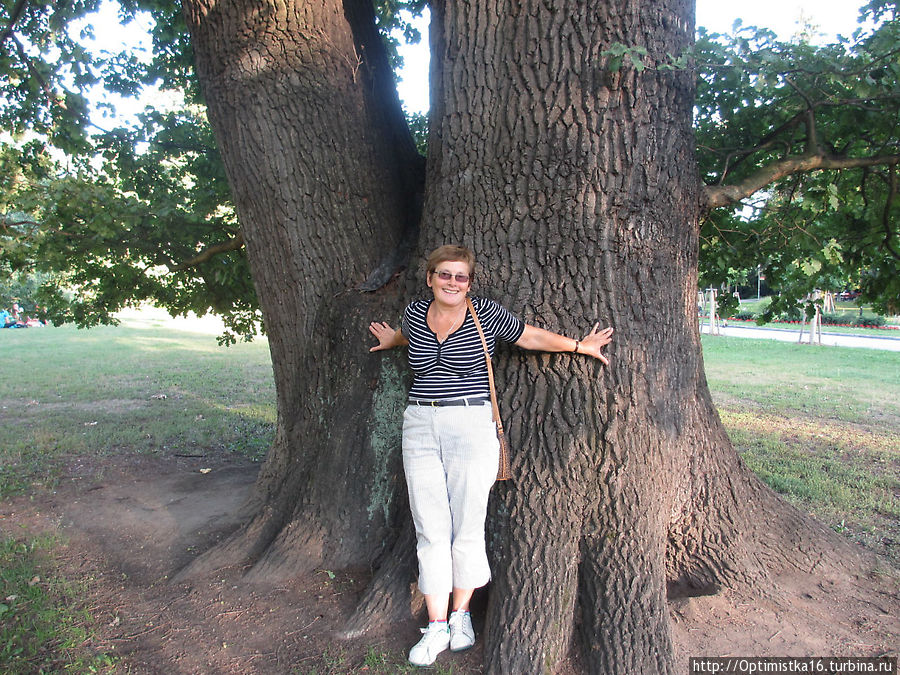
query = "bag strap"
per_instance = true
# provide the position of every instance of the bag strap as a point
(487, 358)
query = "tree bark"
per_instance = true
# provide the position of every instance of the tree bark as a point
(325, 178)
(576, 185)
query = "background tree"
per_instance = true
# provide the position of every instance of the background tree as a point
(831, 229)
(111, 218)
(572, 171)
(807, 137)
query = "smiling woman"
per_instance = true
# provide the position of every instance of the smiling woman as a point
(450, 446)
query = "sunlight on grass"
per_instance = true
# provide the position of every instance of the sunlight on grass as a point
(819, 426)
(853, 385)
(852, 488)
(144, 386)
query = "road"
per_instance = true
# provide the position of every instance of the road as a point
(887, 342)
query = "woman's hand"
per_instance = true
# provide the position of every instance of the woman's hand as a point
(387, 337)
(593, 342)
(541, 340)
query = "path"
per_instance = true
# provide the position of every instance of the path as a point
(889, 343)
(126, 523)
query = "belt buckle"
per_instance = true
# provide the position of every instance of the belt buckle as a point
(434, 404)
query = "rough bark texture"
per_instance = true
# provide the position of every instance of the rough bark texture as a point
(578, 186)
(325, 178)
(575, 183)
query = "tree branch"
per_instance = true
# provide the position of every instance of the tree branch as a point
(6, 223)
(766, 142)
(887, 56)
(34, 72)
(52, 98)
(812, 136)
(14, 17)
(211, 252)
(723, 195)
(856, 102)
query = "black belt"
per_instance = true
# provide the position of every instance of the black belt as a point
(478, 400)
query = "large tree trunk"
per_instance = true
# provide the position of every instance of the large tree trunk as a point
(325, 178)
(587, 175)
(575, 183)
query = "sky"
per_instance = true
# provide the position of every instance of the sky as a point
(830, 17)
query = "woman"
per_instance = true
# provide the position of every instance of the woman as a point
(450, 447)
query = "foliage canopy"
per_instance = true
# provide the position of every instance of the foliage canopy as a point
(765, 108)
(797, 143)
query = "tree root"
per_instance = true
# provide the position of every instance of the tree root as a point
(389, 596)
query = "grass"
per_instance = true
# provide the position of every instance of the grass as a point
(850, 307)
(851, 385)
(819, 425)
(388, 663)
(849, 310)
(43, 628)
(142, 387)
(377, 661)
(887, 331)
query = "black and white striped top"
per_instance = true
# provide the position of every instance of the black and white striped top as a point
(455, 368)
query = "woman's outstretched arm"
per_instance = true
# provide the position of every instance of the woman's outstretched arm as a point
(538, 339)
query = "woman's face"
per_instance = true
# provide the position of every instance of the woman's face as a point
(451, 290)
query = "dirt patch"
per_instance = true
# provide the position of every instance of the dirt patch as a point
(127, 528)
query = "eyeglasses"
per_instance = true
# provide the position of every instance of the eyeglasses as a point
(446, 276)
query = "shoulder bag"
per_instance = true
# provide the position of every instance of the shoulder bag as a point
(503, 469)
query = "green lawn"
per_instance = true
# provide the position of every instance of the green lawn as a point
(150, 385)
(885, 331)
(833, 383)
(153, 385)
(821, 425)
(42, 627)
(143, 386)
(848, 310)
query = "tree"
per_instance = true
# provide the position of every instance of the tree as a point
(117, 216)
(573, 174)
(170, 237)
(772, 114)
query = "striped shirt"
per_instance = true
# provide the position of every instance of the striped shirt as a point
(456, 367)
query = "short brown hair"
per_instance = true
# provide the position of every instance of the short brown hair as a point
(451, 253)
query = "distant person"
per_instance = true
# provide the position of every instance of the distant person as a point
(6, 319)
(17, 320)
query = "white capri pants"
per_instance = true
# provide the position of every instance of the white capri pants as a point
(450, 456)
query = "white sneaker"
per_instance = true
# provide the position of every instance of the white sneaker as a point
(462, 635)
(435, 639)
